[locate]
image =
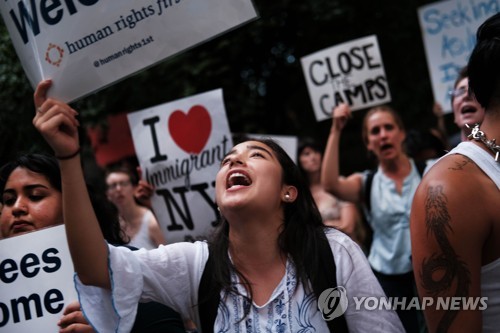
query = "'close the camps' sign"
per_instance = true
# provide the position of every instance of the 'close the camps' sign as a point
(36, 281)
(180, 146)
(351, 73)
(84, 45)
(449, 34)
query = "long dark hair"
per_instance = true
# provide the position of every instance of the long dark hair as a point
(48, 166)
(302, 230)
(484, 64)
(308, 143)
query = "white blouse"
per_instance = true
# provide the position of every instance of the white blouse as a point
(171, 275)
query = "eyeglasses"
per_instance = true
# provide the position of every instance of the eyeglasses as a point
(458, 92)
(114, 186)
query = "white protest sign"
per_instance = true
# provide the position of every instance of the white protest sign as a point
(36, 281)
(350, 72)
(180, 146)
(449, 35)
(84, 45)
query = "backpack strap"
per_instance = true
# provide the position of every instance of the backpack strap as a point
(327, 279)
(421, 165)
(208, 298)
(367, 188)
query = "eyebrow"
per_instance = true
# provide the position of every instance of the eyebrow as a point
(26, 188)
(250, 147)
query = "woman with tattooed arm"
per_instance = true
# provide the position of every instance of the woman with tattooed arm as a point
(455, 216)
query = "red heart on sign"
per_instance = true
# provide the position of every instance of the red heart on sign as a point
(190, 131)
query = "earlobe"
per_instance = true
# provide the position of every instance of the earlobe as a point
(290, 194)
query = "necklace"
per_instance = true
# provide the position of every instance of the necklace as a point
(479, 135)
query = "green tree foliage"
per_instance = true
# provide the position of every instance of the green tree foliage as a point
(258, 67)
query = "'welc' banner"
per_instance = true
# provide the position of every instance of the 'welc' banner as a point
(350, 72)
(36, 281)
(180, 146)
(84, 45)
(449, 35)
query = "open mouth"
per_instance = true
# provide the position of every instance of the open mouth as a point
(385, 147)
(237, 179)
(468, 109)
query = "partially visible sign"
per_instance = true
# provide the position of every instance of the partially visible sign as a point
(36, 281)
(84, 45)
(449, 35)
(350, 72)
(180, 146)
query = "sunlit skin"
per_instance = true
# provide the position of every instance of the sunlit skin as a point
(256, 191)
(385, 138)
(253, 204)
(466, 110)
(30, 203)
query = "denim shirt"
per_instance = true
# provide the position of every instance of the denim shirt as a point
(389, 217)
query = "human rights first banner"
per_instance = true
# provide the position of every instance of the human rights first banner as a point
(85, 45)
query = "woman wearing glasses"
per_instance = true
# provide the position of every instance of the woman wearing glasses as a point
(138, 222)
(466, 109)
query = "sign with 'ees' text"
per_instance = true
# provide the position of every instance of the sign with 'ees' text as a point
(36, 281)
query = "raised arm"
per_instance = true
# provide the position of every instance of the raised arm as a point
(447, 235)
(348, 189)
(56, 122)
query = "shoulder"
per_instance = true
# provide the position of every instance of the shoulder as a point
(182, 255)
(457, 176)
(346, 252)
(452, 194)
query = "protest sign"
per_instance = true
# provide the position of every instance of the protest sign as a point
(449, 35)
(180, 146)
(350, 72)
(36, 281)
(85, 45)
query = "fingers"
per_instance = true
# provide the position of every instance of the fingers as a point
(77, 328)
(340, 115)
(55, 122)
(139, 172)
(71, 307)
(41, 92)
(73, 320)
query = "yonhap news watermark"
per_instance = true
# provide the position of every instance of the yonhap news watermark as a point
(333, 303)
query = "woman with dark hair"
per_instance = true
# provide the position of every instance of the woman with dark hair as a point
(455, 220)
(47, 168)
(341, 215)
(264, 257)
(31, 198)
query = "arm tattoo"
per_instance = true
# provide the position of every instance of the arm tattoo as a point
(446, 264)
(460, 165)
